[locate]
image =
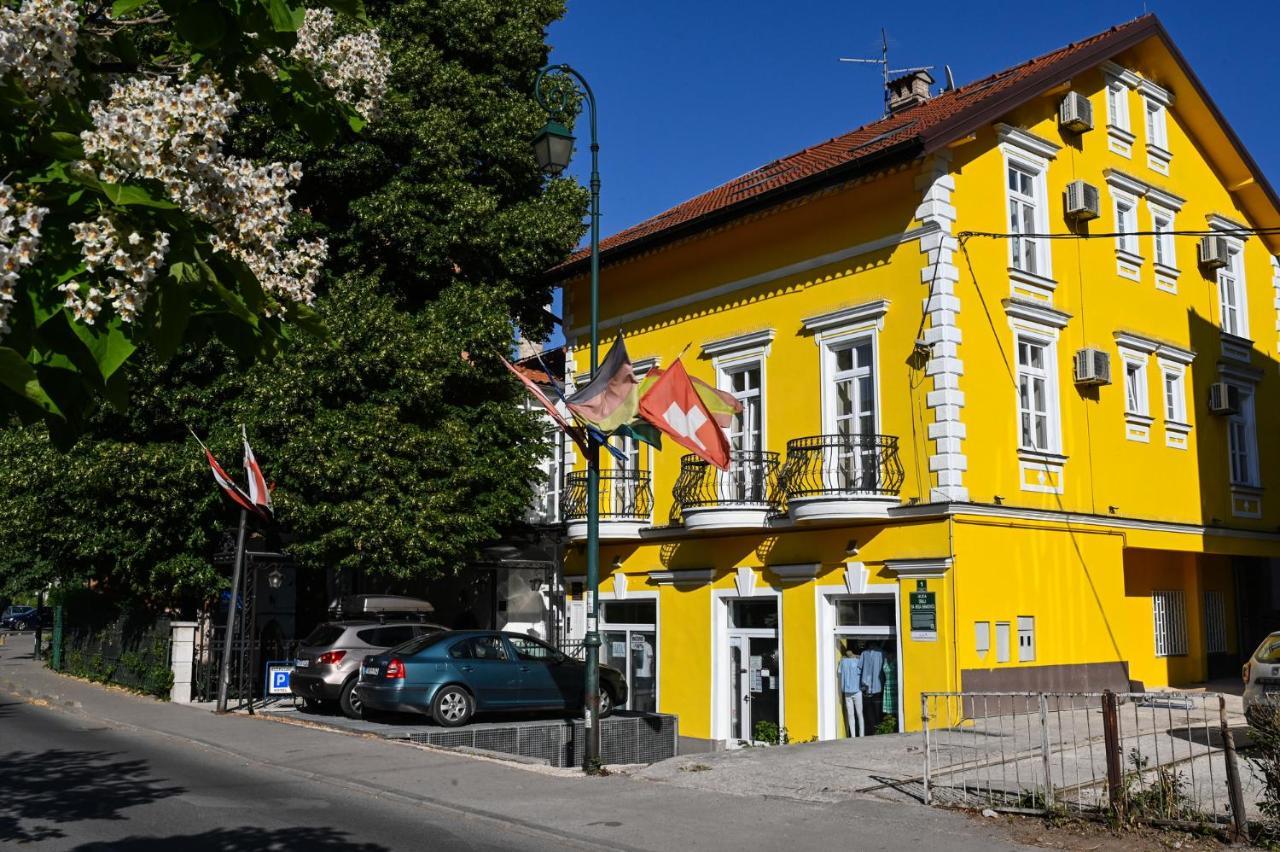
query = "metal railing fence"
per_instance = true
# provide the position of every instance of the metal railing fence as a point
(1148, 756)
(842, 465)
(624, 495)
(751, 480)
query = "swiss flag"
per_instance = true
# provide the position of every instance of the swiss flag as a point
(672, 404)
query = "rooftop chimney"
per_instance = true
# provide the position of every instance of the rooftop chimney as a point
(908, 90)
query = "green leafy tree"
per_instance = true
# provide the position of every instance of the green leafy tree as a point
(391, 453)
(125, 221)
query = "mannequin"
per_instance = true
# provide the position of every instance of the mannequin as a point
(850, 679)
(872, 683)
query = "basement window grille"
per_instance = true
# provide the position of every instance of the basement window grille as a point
(1170, 623)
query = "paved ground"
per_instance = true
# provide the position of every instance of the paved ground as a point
(88, 768)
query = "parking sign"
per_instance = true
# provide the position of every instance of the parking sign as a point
(278, 673)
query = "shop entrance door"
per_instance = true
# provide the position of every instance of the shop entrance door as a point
(753, 670)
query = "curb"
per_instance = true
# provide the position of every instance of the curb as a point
(50, 697)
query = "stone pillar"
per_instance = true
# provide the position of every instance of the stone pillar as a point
(183, 635)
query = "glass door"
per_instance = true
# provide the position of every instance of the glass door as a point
(744, 481)
(631, 647)
(753, 670)
(855, 418)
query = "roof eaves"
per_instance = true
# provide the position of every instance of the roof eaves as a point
(967, 121)
(903, 149)
(1259, 177)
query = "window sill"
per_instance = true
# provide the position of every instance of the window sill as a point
(1120, 141)
(1138, 427)
(1158, 159)
(1167, 271)
(1032, 455)
(1236, 348)
(1247, 489)
(1031, 285)
(1175, 434)
(1129, 264)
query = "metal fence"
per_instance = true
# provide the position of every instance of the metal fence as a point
(1156, 756)
(626, 738)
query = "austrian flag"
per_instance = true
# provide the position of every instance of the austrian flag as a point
(673, 405)
(258, 500)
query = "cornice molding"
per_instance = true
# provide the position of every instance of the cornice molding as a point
(1016, 137)
(1035, 312)
(865, 313)
(738, 342)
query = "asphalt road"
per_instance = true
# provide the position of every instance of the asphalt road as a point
(70, 782)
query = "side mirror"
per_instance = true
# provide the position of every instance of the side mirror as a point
(559, 658)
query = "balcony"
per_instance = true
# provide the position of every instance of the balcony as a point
(841, 477)
(740, 498)
(626, 504)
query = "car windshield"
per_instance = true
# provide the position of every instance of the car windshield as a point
(19, 610)
(414, 646)
(325, 634)
(1269, 650)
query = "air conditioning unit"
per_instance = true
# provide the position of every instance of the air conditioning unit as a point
(1213, 252)
(1082, 201)
(1224, 398)
(1075, 113)
(1093, 367)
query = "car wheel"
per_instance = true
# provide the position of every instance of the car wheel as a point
(349, 702)
(452, 706)
(606, 702)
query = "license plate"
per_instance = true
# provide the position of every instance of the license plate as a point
(301, 664)
(370, 670)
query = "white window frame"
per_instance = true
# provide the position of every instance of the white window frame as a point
(1163, 244)
(1129, 258)
(1177, 422)
(1156, 102)
(1032, 154)
(1135, 354)
(1242, 440)
(1169, 622)
(1231, 282)
(836, 330)
(1040, 324)
(1048, 374)
(1004, 639)
(1117, 83)
(742, 352)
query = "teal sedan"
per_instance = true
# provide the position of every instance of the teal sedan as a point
(453, 675)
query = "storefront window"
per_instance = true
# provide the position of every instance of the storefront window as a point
(866, 685)
(631, 647)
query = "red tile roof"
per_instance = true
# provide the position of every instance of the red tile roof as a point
(910, 132)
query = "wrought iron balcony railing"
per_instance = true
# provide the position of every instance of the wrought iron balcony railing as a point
(750, 481)
(842, 466)
(625, 495)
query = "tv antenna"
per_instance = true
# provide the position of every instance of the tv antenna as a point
(886, 73)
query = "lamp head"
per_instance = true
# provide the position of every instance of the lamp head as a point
(552, 147)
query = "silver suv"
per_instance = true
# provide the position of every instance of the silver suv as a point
(328, 662)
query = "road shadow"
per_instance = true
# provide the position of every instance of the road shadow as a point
(43, 789)
(246, 839)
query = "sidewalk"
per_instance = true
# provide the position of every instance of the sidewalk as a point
(616, 812)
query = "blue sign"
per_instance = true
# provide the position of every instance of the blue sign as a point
(278, 673)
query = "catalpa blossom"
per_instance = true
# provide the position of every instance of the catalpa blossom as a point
(173, 133)
(38, 45)
(19, 246)
(352, 65)
(128, 264)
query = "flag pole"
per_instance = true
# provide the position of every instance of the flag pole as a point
(224, 675)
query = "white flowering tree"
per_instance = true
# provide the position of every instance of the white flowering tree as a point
(125, 220)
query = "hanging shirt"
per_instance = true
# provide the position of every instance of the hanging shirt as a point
(850, 675)
(872, 662)
(890, 687)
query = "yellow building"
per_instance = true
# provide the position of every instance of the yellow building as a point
(1005, 461)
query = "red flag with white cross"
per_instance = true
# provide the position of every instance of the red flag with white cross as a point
(672, 405)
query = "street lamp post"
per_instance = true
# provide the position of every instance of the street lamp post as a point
(553, 146)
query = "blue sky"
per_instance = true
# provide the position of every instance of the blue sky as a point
(697, 92)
